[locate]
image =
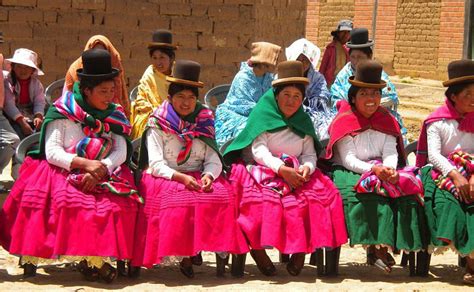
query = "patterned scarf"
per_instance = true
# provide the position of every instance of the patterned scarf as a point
(97, 144)
(267, 178)
(409, 184)
(463, 162)
(166, 119)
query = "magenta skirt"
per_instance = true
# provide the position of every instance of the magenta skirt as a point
(175, 221)
(44, 216)
(308, 218)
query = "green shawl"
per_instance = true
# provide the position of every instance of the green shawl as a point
(267, 117)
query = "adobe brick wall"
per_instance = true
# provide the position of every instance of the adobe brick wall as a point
(216, 33)
(413, 37)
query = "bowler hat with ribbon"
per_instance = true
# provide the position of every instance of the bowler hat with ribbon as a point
(96, 64)
(186, 72)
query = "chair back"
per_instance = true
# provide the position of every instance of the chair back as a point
(133, 94)
(411, 149)
(26, 145)
(53, 91)
(216, 95)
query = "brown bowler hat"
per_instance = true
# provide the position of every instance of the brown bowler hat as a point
(186, 72)
(162, 38)
(369, 75)
(290, 72)
(459, 72)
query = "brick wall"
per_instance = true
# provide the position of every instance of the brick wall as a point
(216, 33)
(413, 37)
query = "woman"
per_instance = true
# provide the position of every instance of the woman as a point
(446, 142)
(285, 201)
(360, 49)
(102, 42)
(24, 94)
(153, 87)
(189, 207)
(251, 82)
(336, 54)
(383, 202)
(317, 97)
(76, 201)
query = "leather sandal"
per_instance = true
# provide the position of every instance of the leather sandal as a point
(91, 274)
(264, 264)
(107, 273)
(296, 263)
(186, 268)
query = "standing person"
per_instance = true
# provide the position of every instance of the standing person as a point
(102, 42)
(75, 201)
(153, 87)
(360, 49)
(24, 94)
(9, 140)
(285, 201)
(251, 82)
(446, 144)
(189, 206)
(383, 200)
(317, 101)
(336, 54)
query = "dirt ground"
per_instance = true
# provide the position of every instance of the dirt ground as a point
(418, 98)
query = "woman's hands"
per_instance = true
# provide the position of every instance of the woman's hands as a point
(192, 184)
(95, 168)
(89, 182)
(38, 121)
(294, 178)
(464, 187)
(385, 173)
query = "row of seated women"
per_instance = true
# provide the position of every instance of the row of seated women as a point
(76, 199)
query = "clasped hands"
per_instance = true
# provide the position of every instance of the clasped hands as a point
(385, 173)
(192, 184)
(465, 187)
(295, 178)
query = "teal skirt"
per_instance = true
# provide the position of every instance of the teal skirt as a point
(373, 219)
(449, 221)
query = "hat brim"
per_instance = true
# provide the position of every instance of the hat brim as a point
(162, 45)
(185, 82)
(26, 63)
(459, 80)
(360, 46)
(302, 80)
(358, 83)
(115, 72)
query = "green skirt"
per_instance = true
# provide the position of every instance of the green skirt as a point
(373, 219)
(449, 220)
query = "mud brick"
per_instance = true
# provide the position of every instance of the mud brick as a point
(152, 23)
(89, 4)
(25, 15)
(175, 9)
(227, 12)
(188, 24)
(24, 3)
(54, 4)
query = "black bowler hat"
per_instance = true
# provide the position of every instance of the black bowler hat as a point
(162, 38)
(360, 39)
(460, 72)
(368, 75)
(96, 64)
(186, 72)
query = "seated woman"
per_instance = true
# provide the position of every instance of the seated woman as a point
(447, 143)
(383, 204)
(360, 49)
(285, 201)
(102, 42)
(317, 97)
(251, 82)
(189, 207)
(75, 201)
(153, 87)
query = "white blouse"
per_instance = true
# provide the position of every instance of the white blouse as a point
(267, 147)
(354, 152)
(64, 133)
(443, 138)
(163, 149)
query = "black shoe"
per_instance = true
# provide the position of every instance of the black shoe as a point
(187, 271)
(197, 259)
(295, 265)
(29, 270)
(134, 272)
(266, 269)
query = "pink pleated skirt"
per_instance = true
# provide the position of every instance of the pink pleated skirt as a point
(308, 218)
(175, 221)
(44, 216)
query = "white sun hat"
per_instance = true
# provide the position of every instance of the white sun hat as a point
(305, 47)
(26, 57)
